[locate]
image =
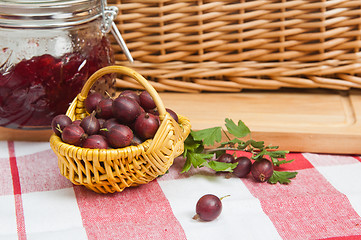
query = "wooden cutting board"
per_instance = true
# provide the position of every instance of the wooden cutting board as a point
(323, 121)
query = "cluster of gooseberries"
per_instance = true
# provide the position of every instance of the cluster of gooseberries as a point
(261, 170)
(129, 119)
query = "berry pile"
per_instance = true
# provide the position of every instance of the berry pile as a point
(261, 170)
(129, 119)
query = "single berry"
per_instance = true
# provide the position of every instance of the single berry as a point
(131, 94)
(226, 158)
(208, 207)
(59, 122)
(125, 109)
(146, 126)
(77, 122)
(243, 167)
(90, 124)
(104, 108)
(107, 125)
(172, 114)
(170, 111)
(146, 101)
(95, 142)
(262, 170)
(73, 134)
(101, 122)
(119, 136)
(92, 101)
(136, 141)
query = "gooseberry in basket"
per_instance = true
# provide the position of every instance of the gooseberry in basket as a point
(136, 140)
(73, 134)
(90, 124)
(146, 125)
(131, 94)
(92, 101)
(59, 122)
(146, 100)
(77, 122)
(104, 108)
(262, 170)
(101, 122)
(170, 111)
(243, 167)
(95, 142)
(172, 114)
(208, 208)
(107, 125)
(126, 109)
(119, 136)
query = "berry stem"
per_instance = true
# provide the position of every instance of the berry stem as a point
(196, 217)
(108, 94)
(224, 197)
(221, 149)
(225, 133)
(58, 128)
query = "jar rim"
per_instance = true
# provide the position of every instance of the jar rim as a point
(48, 14)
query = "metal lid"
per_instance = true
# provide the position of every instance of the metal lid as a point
(59, 13)
(48, 14)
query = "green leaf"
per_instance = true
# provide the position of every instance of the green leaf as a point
(260, 155)
(187, 165)
(234, 143)
(197, 159)
(281, 177)
(209, 135)
(191, 145)
(277, 154)
(219, 153)
(255, 144)
(221, 166)
(272, 147)
(278, 162)
(239, 131)
(194, 147)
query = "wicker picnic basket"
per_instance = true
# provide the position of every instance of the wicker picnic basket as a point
(230, 45)
(112, 170)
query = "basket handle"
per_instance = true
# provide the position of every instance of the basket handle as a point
(131, 73)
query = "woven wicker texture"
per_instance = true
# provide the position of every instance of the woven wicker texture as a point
(209, 45)
(111, 170)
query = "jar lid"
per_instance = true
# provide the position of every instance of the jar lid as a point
(48, 14)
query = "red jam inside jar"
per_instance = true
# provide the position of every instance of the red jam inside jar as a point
(48, 49)
(35, 90)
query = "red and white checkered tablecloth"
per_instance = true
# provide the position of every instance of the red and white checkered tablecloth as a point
(36, 202)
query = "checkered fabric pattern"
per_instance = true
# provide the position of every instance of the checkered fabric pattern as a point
(36, 202)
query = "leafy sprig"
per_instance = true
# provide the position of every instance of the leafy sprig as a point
(198, 156)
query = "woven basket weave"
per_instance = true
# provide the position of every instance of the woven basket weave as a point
(111, 170)
(229, 45)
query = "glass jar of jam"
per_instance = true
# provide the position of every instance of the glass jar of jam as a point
(48, 49)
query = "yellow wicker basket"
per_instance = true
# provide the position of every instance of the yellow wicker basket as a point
(111, 170)
(229, 45)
